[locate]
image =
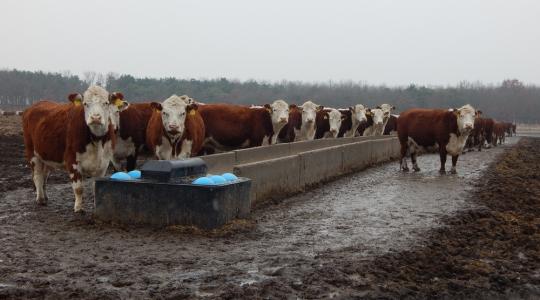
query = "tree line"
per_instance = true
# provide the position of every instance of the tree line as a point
(510, 100)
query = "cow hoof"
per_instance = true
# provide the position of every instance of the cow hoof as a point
(416, 169)
(405, 169)
(442, 171)
(453, 171)
(79, 211)
(42, 201)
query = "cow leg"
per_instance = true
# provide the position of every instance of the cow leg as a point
(185, 152)
(413, 159)
(403, 161)
(76, 185)
(442, 153)
(454, 163)
(131, 162)
(38, 176)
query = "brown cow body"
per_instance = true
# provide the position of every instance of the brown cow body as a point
(230, 127)
(185, 143)
(432, 127)
(499, 131)
(58, 136)
(131, 134)
(287, 134)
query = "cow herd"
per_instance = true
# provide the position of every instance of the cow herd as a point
(97, 128)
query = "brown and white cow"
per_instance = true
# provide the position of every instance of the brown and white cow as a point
(328, 122)
(130, 124)
(447, 129)
(301, 124)
(230, 127)
(352, 118)
(374, 126)
(175, 129)
(78, 136)
(499, 133)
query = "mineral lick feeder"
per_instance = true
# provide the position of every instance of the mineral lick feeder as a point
(165, 194)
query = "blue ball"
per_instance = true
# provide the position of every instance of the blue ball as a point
(135, 174)
(121, 176)
(229, 176)
(218, 179)
(203, 181)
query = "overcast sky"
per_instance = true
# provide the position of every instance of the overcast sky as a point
(391, 42)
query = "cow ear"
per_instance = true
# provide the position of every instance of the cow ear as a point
(268, 108)
(75, 98)
(192, 109)
(292, 106)
(368, 112)
(393, 107)
(378, 107)
(156, 106)
(320, 107)
(121, 104)
(351, 108)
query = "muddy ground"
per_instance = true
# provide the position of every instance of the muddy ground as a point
(375, 234)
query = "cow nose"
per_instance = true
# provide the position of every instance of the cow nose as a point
(333, 130)
(310, 120)
(173, 127)
(96, 119)
(283, 120)
(469, 126)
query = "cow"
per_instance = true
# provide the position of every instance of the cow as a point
(327, 123)
(301, 123)
(230, 127)
(287, 133)
(352, 118)
(391, 125)
(130, 124)
(374, 124)
(508, 128)
(175, 129)
(514, 128)
(447, 129)
(78, 136)
(498, 133)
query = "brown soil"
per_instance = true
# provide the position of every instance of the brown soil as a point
(488, 246)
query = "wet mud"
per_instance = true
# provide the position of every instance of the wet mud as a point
(375, 234)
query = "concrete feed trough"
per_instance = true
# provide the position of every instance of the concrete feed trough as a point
(165, 196)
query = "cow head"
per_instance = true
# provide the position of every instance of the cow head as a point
(309, 112)
(97, 107)
(465, 118)
(279, 111)
(359, 113)
(119, 104)
(377, 115)
(387, 110)
(173, 115)
(334, 119)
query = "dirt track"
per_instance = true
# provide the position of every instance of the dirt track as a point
(378, 233)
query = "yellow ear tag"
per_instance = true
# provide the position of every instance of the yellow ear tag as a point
(192, 112)
(118, 102)
(77, 102)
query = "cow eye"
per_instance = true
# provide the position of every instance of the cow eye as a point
(165, 114)
(182, 113)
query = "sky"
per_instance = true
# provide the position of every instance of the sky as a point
(432, 42)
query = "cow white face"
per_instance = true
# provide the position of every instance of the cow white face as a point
(279, 110)
(387, 110)
(97, 108)
(173, 115)
(309, 112)
(334, 118)
(465, 118)
(377, 115)
(118, 105)
(359, 113)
